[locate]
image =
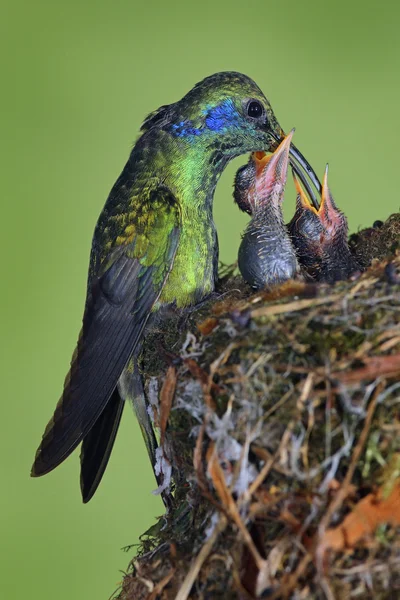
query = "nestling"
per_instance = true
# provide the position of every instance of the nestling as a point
(320, 237)
(266, 254)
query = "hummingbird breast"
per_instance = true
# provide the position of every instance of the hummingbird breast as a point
(195, 268)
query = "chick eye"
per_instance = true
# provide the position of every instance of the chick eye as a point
(254, 109)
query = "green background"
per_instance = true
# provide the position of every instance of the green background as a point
(77, 78)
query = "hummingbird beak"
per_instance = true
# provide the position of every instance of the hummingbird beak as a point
(304, 172)
(271, 171)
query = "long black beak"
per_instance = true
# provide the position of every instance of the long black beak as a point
(305, 169)
(305, 173)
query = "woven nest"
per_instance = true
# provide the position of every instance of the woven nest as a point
(279, 415)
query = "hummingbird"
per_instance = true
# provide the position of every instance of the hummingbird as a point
(266, 254)
(320, 237)
(154, 248)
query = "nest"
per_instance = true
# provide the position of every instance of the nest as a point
(279, 419)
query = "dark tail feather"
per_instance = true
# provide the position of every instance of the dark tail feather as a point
(97, 446)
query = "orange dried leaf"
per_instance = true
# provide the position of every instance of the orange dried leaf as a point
(196, 371)
(166, 397)
(207, 326)
(227, 305)
(218, 478)
(371, 511)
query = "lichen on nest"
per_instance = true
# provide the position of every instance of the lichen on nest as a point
(283, 437)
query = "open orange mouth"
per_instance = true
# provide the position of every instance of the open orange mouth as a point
(328, 213)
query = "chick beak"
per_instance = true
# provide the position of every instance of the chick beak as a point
(331, 217)
(302, 201)
(271, 172)
(304, 172)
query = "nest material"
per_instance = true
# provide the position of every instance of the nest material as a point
(280, 415)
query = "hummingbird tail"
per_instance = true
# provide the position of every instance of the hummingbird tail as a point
(98, 444)
(130, 387)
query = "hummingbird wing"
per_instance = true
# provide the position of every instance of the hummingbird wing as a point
(119, 303)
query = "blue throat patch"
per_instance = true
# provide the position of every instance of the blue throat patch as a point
(217, 118)
(184, 129)
(220, 117)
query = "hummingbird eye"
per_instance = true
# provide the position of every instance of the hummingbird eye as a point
(255, 109)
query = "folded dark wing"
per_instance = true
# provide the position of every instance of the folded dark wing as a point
(117, 309)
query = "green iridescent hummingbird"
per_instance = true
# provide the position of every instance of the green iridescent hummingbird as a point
(155, 245)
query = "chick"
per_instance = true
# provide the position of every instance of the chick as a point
(320, 237)
(266, 253)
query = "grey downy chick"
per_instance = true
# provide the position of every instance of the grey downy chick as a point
(266, 254)
(320, 237)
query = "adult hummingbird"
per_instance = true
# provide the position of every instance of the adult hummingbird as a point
(266, 254)
(320, 237)
(154, 245)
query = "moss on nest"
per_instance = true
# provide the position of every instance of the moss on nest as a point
(377, 242)
(284, 437)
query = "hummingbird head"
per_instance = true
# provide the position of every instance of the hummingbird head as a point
(229, 114)
(226, 115)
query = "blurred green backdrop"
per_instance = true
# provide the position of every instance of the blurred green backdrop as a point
(77, 78)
